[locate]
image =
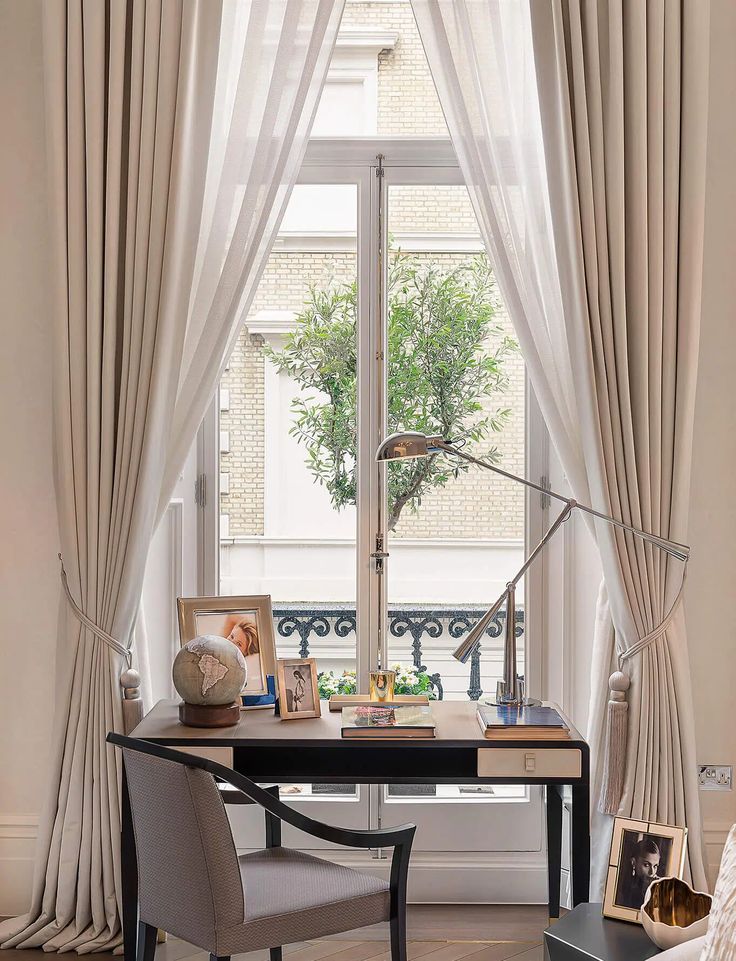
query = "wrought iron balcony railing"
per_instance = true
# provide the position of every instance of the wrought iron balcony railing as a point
(322, 621)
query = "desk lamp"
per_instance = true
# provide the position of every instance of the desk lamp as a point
(410, 444)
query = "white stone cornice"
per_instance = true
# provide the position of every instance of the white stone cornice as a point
(335, 241)
(366, 40)
(272, 322)
(318, 241)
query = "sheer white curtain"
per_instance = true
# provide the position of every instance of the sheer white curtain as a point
(481, 58)
(579, 129)
(272, 69)
(175, 132)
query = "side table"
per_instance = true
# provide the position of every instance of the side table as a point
(584, 934)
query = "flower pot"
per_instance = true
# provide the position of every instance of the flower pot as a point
(673, 912)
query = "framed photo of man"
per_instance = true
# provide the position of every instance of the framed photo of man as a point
(298, 688)
(641, 852)
(246, 620)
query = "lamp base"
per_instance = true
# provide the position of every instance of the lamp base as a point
(523, 702)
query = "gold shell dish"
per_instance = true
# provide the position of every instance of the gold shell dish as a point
(672, 912)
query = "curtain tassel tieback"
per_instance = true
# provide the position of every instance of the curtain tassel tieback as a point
(130, 679)
(617, 722)
(617, 719)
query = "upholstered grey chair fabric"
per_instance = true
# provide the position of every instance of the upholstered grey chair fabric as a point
(193, 884)
(188, 873)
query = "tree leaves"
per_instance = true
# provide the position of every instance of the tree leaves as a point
(445, 359)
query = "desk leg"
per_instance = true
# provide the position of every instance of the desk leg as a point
(129, 878)
(554, 849)
(580, 843)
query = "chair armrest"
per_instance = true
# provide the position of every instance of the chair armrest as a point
(403, 834)
(231, 795)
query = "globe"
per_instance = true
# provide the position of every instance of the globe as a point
(209, 670)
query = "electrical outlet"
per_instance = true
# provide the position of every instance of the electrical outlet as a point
(715, 777)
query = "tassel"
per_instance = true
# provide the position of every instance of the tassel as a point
(130, 681)
(614, 767)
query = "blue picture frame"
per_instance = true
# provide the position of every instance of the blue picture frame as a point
(261, 700)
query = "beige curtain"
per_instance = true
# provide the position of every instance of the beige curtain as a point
(166, 120)
(623, 104)
(116, 182)
(580, 129)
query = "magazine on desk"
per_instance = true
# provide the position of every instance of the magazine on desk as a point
(506, 723)
(388, 720)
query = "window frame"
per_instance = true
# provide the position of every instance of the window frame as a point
(430, 160)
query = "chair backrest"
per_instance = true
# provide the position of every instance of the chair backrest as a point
(188, 873)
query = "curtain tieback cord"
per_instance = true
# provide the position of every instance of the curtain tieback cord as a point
(614, 767)
(90, 624)
(658, 631)
(130, 679)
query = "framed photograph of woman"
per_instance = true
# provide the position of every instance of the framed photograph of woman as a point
(247, 621)
(641, 851)
(297, 686)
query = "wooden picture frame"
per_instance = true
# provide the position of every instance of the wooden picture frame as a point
(300, 699)
(246, 620)
(640, 852)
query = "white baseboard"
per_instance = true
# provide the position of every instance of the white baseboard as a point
(17, 845)
(485, 878)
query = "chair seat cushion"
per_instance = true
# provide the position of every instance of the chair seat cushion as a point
(291, 896)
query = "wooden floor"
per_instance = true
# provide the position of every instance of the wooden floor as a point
(436, 932)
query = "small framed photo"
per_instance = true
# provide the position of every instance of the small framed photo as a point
(297, 685)
(247, 621)
(641, 851)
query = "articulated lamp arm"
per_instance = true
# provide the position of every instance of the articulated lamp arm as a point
(410, 444)
(680, 551)
(471, 641)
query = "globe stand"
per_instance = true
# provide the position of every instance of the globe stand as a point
(209, 715)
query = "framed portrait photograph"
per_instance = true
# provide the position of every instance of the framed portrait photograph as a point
(247, 621)
(297, 686)
(641, 851)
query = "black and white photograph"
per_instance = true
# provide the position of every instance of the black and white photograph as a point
(298, 691)
(641, 852)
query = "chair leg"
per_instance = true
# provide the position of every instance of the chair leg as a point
(275, 954)
(147, 935)
(398, 934)
(219, 957)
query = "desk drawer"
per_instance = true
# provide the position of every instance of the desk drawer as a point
(529, 762)
(220, 755)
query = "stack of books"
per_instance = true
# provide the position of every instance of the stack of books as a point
(387, 720)
(505, 723)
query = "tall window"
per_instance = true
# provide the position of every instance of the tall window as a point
(320, 372)
(378, 311)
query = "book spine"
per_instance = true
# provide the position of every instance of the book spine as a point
(482, 724)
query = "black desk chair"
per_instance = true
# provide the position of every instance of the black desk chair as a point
(193, 884)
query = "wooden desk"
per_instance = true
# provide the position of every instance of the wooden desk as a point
(264, 748)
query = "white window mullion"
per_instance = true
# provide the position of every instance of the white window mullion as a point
(366, 588)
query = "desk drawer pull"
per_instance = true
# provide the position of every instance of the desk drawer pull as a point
(530, 763)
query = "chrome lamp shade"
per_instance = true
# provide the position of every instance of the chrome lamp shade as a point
(406, 445)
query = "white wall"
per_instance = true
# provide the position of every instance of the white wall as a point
(29, 578)
(711, 615)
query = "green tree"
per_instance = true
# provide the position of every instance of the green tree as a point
(445, 359)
